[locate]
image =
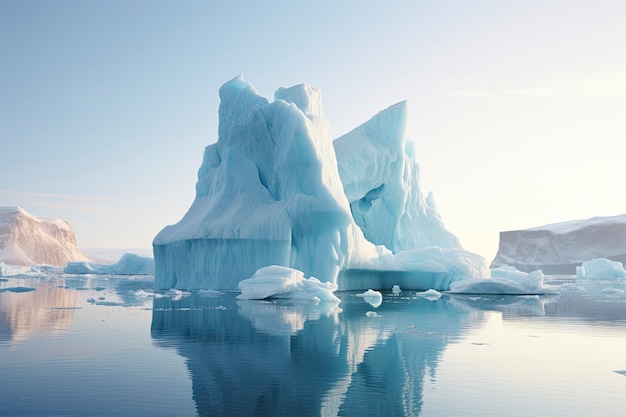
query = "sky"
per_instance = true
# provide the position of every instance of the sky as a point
(517, 107)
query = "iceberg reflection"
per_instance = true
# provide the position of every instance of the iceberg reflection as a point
(25, 310)
(286, 358)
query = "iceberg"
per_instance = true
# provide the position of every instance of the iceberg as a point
(600, 268)
(269, 192)
(128, 264)
(380, 177)
(559, 248)
(27, 240)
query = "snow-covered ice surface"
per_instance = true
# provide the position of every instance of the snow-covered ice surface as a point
(269, 192)
(30, 240)
(128, 264)
(560, 247)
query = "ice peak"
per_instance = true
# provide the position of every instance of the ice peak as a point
(306, 97)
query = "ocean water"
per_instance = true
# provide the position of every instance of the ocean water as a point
(111, 346)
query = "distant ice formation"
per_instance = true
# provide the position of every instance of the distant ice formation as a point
(269, 192)
(128, 264)
(504, 280)
(600, 268)
(560, 247)
(28, 240)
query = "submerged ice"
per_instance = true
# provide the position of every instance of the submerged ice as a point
(274, 190)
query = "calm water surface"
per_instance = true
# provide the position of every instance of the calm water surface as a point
(110, 346)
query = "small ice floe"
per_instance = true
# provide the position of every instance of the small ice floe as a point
(17, 289)
(396, 289)
(208, 293)
(139, 294)
(316, 300)
(373, 298)
(430, 295)
(612, 291)
(371, 314)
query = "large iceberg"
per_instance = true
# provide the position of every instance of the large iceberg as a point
(269, 192)
(28, 240)
(560, 247)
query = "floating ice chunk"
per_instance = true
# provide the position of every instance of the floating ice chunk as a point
(431, 294)
(600, 268)
(175, 294)
(208, 293)
(373, 298)
(613, 291)
(138, 294)
(505, 282)
(283, 282)
(371, 314)
(396, 289)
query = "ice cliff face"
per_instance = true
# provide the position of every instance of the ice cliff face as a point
(269, 192)
(558, 248)
(29, 240)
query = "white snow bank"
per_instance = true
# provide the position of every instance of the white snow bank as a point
(506, 280)
(600, 268)
(283, 282)
(128, 264)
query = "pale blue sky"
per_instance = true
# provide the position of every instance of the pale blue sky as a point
(517, 108)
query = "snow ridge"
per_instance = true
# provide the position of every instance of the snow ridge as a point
(30, 240)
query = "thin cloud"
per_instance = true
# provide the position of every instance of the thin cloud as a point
(611, 84)
(52, 195)
(85, 204)
(472, 93)
(533, 92)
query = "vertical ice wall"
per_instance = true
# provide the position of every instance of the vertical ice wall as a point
(381, 181)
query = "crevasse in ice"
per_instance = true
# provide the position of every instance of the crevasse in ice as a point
(269, 192)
